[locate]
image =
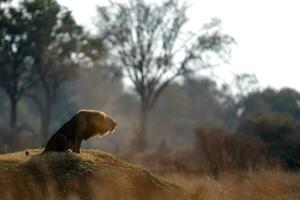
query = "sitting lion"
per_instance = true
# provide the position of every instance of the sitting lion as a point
(82, 126)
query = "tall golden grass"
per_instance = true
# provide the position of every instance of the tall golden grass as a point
(91, 175)
(224, 166)
(263, 184)
(94, 175)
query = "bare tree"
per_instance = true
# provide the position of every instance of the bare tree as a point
(245, 84)
(149, 46)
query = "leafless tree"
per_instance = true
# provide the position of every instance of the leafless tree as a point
(148, 43)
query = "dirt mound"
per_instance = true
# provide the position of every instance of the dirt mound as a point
(88, 175)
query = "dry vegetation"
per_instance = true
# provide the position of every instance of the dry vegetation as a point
(224, 166)
(89, 175)
(260, 185)
(98, 175)
(263, 183)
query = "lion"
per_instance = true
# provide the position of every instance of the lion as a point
(82, 126)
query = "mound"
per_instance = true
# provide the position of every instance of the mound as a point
(89, 175)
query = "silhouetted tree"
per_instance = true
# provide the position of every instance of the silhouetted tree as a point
(206, 107)
(151, 50)
(245, 84)
(184, 106)
(233, 97)
(279, 131)
(16, 61)
(55, 38)
(284, 101)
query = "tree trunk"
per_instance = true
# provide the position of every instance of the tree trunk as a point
(46, 114)
(13, 112)
(141, 142)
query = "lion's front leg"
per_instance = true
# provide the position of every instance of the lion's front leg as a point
(80, 128)
(77, 143)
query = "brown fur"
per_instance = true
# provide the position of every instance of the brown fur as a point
(82, 126)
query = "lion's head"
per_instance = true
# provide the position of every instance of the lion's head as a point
(97, 123)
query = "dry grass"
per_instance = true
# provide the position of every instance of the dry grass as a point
(260, 185)
(98, 175)
(89, 175)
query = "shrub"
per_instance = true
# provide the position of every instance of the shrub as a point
(219, 151)
(280, 132)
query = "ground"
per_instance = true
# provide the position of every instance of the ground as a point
(89, 175)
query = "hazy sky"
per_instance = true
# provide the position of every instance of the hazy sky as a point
(267, 33)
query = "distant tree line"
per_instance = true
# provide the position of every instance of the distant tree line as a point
(41, 48)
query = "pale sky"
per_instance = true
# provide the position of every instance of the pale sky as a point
(267, 34)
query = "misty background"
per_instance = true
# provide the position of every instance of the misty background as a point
(159, 80)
